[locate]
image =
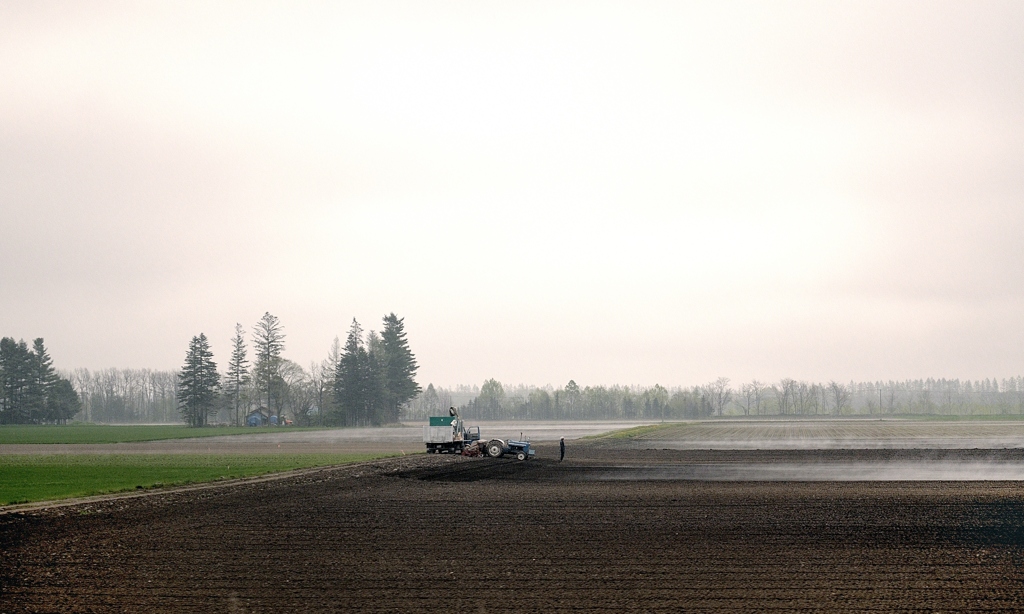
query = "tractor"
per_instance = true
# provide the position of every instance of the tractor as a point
(450, 435)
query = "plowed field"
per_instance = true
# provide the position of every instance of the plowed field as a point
(432, 533)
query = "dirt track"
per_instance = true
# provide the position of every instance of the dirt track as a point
(427, 533)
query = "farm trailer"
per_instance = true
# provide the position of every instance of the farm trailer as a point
(450, 435)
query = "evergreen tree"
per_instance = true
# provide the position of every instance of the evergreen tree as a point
(63, 402)
(197, 382)
(268, 341)
(238, 371)
(398, 366)
(17, 374)
(31, 392)
(40, 384)
(376, 385)
(352, 381)
(8, 349)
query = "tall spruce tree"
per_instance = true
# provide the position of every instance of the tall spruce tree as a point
(352, 397)
(399, 367)
(8, 348)
(376, 386)
(41, 384)
(238, 371)
(198, 382)
(268, 342)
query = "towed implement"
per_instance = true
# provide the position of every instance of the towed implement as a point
(450, 435)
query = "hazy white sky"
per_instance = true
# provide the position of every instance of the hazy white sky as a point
(631, 192)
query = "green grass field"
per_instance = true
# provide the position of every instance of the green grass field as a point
(29, 477)
(102, 433)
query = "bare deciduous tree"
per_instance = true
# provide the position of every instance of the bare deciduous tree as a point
(840, 396)
(783, 393)
(753, 397)
(718, 394)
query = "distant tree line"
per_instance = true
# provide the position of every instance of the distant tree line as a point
(572, 402)
(143, 395)
(31, 391)
(718, 398)
(907, 397)
(435, 401)
(126, 395)
(370, 380)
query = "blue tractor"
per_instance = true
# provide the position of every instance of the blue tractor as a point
(496, 448)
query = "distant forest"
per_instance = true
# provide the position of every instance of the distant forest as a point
(127, 395)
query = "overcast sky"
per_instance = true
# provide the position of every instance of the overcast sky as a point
(629, 192)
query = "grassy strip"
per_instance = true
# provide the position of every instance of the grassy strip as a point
(629, 433)
(105, 433)
(29, 477)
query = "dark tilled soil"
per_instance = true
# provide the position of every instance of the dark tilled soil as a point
(432, 533)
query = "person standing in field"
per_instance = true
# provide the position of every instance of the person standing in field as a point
(561, 449)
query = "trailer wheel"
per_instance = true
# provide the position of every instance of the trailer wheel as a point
(521, 456)
(495, 449)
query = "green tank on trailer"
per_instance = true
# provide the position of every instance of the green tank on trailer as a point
(449, 434)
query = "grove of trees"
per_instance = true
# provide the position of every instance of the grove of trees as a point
(365, 382)
(31, 391)
(374, 376)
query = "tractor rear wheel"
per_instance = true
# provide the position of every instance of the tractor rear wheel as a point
(495, 449)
